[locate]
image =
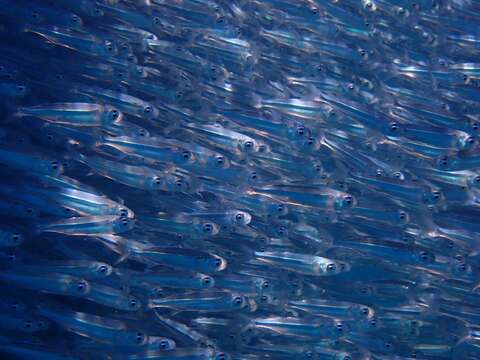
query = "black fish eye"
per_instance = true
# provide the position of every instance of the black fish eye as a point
(140, 337)
(401, 215)
(348, 200)
(164, 344)
(186, 154)
(114, 114)
(132, 303)
(265, 284)
(253, 175)
(220, 160)
(339, 327)
(103, 269)
(157, 180)
(237, 300)
(54, 165)
(15, 236)
(124, 221)
(248, 144)
(207, 227)
(477, 179)
(81, 286)
(207, 280)
(218, 263)
(142, 132)
(314, 10)
(331, 267)
(179, 183)
(263, 298)
(148, 109)
(21, 88)
(221, 356)
(300, 130)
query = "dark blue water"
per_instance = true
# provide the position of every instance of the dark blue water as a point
(244, 179)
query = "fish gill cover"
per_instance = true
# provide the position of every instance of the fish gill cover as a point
(239, 179)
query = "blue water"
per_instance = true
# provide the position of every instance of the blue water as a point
(244, 179)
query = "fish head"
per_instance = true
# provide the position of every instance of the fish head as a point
(131, 303)
(100, 270)
(206, 229)
(78, 287)
(206, 281)
(216, 263)
(403, 217)
(238, 301)
(466, 142)
(277, 209)
(52, 167)
(149, 112)
(154, 182)
(111, 115)
(165, 344)
(123, 224)
(240, 218)
(13, 238)
(218, 161)
(474, 181)
(137, 338)
(248, 146)
(345, 202)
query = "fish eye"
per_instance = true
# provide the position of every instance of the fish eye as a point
(368, 5)
(265, 284)
(142, 132)
(309, 355)
(21, 88)
(140, 337)
(443, 162)
(248, 144)
(253, 175)
(35, 15)
(179, 183)
(300, 130)
(314, 10)
(103, 269)
(133, 303)
(16, 237)
(476, 180)
(114, 114)
(221, 356)
(156, 20)
(365, 311)
(280, 209)
(220, 160)
(28, 324)
(339, 328)
(82, 286)
(147, 109)
(207, 281)
(179, 94)
(239, 217)
(394, 127)
(186, 154)
(237, 301)
(124, 221)
(55, 165)
(348, 200)
(331, 267)
(350, 86)
(208, 228)
(426, 257)
(263, 298)
(75, 18)
(402, 215)
(109, 46)
(123, 212)
(217, 262)
(157, 180)
(164, 344)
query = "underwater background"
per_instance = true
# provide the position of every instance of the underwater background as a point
(239, 179)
